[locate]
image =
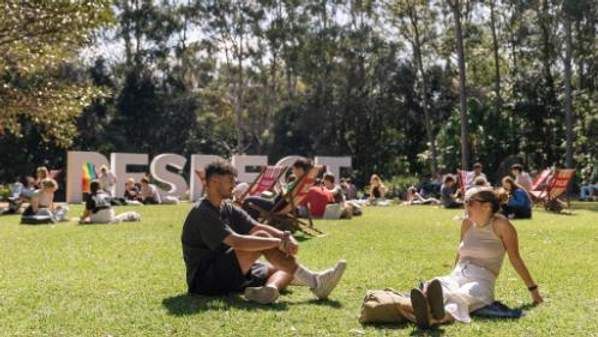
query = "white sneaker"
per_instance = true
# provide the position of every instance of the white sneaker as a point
(327, 280)
(262, 295)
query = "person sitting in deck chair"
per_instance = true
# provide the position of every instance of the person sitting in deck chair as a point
(522, 178)
(300, 168)
(222, 243)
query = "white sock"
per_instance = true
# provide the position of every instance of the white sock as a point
(304, 276)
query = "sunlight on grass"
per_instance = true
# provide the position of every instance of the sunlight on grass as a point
(128, 279)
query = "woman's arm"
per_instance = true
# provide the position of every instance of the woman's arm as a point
(464, 227)
(508, 235)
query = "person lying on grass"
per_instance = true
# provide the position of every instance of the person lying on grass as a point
(414, 198)
(485, 238)
(222, 244)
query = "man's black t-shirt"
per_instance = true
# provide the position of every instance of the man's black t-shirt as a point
(204, 230)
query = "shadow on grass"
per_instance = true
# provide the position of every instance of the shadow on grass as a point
(433, 332)
(186, 304)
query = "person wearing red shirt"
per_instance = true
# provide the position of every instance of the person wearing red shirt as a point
(317, 197)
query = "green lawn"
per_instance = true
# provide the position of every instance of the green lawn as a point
(128, 279)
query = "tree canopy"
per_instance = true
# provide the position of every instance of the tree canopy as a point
(405, 87)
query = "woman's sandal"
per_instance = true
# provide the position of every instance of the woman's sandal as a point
(420, 308)
(435, 299)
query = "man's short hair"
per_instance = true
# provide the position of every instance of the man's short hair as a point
(517, 167)
(329, 177)
(477, 165)
(303, 163)
(448, 178)
(144, 180)
(220, 168)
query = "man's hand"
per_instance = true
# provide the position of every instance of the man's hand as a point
(288, 245)
(292, 246)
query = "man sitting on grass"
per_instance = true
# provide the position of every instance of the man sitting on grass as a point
(222, 243)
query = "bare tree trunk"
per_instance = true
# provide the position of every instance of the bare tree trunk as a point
(568, 98)
(456, 9)
(497, 78)
(427, 120)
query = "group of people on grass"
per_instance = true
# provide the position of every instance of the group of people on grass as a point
(515, 200)
(222, 245)
(324, 199)
(37, 195)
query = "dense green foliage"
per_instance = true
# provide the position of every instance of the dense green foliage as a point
(376, 80)
(128, 279)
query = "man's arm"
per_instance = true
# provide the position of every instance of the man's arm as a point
(291, 246)
(251, 243)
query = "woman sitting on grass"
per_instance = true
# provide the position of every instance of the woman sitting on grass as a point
(98, 209)
(414, 198)
(519, 205)
(42, 203)
(485, 238)
(377, 190)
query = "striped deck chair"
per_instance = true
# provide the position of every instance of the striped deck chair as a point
(540, 181)
(265, 181)
(465, 180)
(284, 214)
(556, 188)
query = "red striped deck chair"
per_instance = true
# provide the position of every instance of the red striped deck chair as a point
(284, 214)
(465, 180)
(555, 190)
(265, 181)
(541, 180)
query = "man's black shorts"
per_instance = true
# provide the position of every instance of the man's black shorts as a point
(221, 274)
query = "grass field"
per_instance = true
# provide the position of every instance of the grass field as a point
(128, 279)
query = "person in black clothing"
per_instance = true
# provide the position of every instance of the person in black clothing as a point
(449, 193)
(99, 210)
(222, 243)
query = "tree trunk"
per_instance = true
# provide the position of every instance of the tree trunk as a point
(427, 120)
(456, 9)
(568, 98)
(497, 78)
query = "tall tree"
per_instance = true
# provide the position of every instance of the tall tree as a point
(456, 9)
(416, 23)
(568, 98)
(36, 40)
(496, 54)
